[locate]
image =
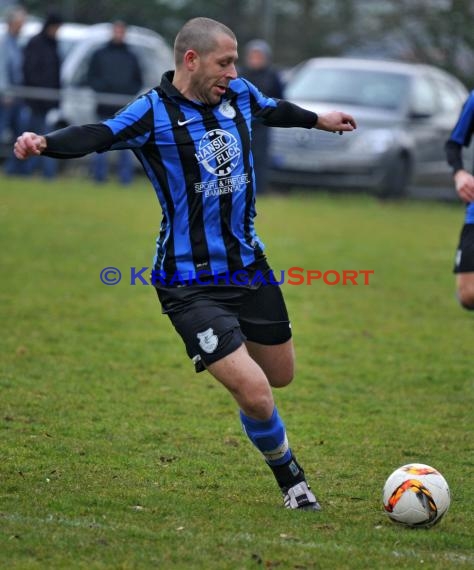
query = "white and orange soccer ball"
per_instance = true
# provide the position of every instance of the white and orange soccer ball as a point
(416, 495)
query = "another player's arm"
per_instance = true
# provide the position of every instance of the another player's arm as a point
(463, 180)
(461, 137)
(70, 142)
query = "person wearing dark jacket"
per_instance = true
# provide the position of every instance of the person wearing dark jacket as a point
(258, 70)
(42, 68)
(114, 70)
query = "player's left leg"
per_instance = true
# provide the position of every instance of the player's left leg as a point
(262, 423)
(265, 323)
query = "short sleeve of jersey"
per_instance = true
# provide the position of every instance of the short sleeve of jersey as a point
(133, 124)
(462, 131)
(259, 102)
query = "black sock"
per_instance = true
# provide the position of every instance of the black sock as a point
(288, 474)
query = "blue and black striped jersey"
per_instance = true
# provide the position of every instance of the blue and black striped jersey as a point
(199, 160)
(461, 135)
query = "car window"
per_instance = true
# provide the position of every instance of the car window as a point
(424, 100)
(450, 98)
(349, 86)
(79, 77)
(153, 65)
(65, 45)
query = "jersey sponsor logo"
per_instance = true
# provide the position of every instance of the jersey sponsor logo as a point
(226, 109)
(219, 152)
(182, 123)
(222, 185)
(208, 341)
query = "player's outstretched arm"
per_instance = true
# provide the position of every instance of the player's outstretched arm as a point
(335, 121)
(29, 144)
(69, 142)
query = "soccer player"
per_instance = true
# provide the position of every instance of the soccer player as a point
(192, 135)
(464, 183)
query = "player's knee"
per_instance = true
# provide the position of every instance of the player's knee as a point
(257, 406)
(282, 377)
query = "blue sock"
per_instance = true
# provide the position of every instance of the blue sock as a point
(269, 437)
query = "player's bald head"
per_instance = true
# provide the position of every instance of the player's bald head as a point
(200, 35)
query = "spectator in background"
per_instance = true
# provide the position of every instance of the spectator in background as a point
(12, 108)
(114, 69)
(41, 68)
(259, 71)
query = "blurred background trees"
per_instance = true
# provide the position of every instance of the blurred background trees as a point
(429, 31)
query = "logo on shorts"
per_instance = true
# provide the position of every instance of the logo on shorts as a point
(208, 341)
(458, 257)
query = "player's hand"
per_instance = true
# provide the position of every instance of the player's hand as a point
(464, 182)
(336, 121)
(29, 144)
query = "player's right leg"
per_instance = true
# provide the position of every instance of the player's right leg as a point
(246, 381)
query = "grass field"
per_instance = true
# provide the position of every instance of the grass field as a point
(115, 455)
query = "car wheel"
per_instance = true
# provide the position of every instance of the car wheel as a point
(396, 177)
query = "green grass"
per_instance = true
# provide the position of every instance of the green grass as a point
(115, 455)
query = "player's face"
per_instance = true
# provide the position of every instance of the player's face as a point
(215, 70)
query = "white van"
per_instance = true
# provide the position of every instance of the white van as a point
(69, 34)
(78, 102)
(77, 43)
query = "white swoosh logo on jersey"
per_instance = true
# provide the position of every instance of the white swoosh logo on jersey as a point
(182, 123)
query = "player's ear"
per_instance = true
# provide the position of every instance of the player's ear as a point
(191, 58)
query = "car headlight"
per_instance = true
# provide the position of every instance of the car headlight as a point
(376, 141)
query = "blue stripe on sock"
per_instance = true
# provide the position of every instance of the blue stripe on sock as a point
(268, 436)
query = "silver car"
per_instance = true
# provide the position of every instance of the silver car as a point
(405, 112)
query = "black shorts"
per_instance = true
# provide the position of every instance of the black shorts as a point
(214, 320)
(464, 262)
